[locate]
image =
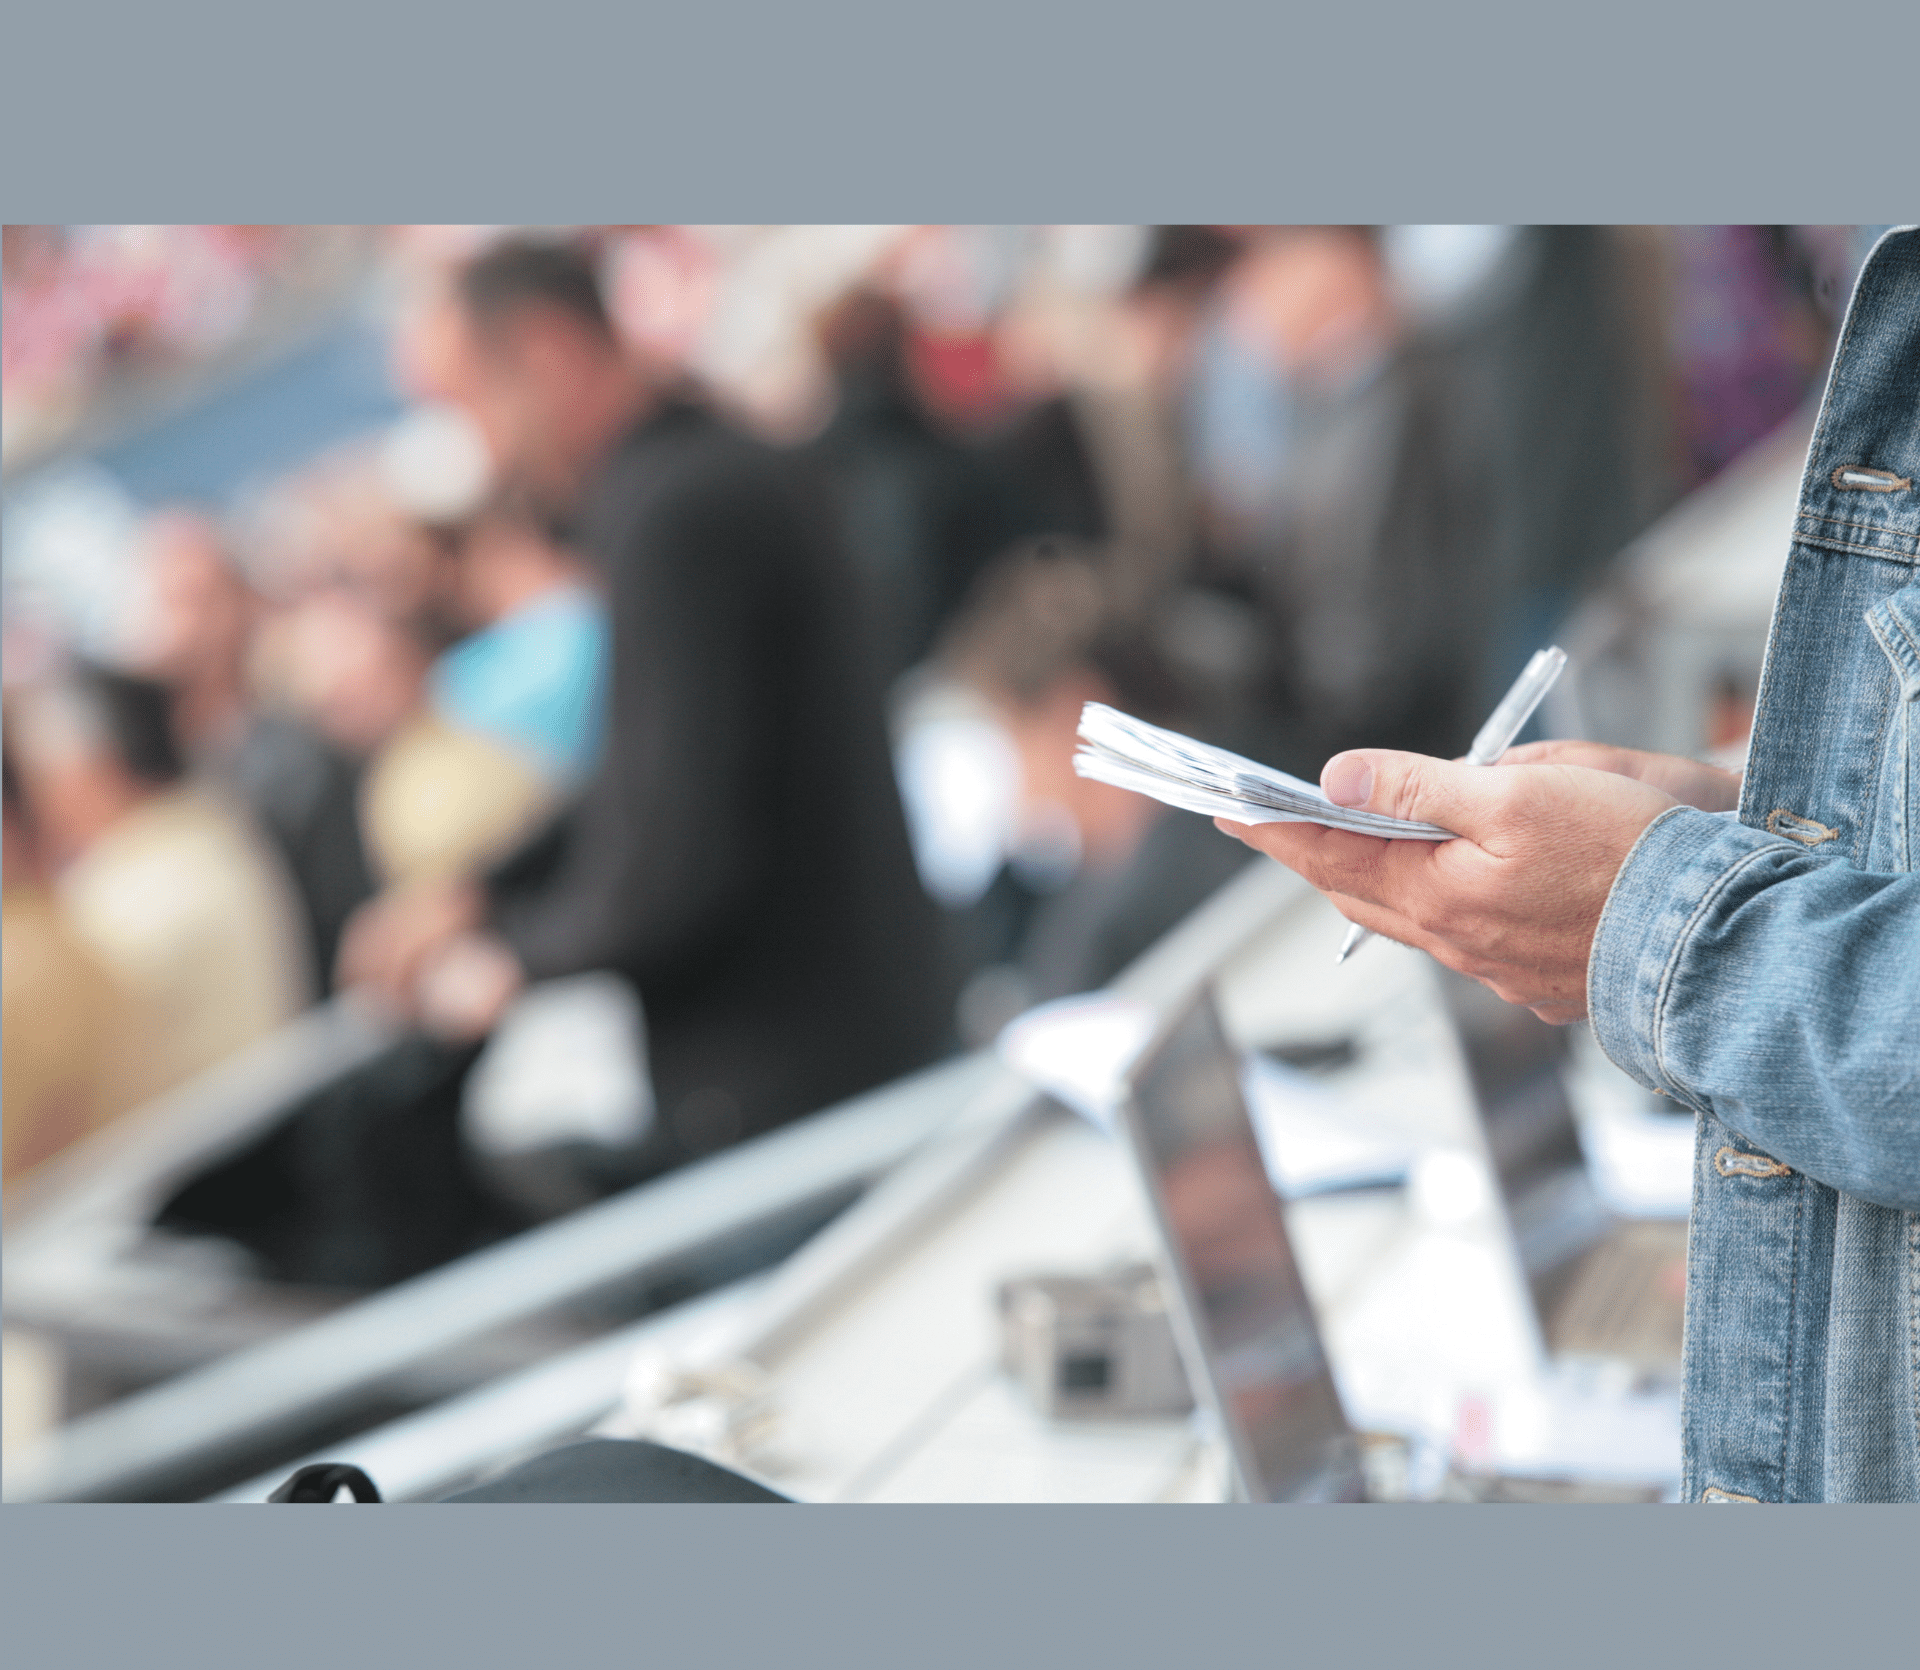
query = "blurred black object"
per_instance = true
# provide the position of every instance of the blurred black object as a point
(323, 1481)
(593, 1470)
(304, 796)
(363, 1184)
(617, 1470)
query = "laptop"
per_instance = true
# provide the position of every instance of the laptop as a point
(1602, 1286)
(1242, 1317)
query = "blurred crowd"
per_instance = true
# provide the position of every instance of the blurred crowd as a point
(94, 315)
(717, 622)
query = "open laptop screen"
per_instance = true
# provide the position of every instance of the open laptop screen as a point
(1516, 1063)
(1246, 1324)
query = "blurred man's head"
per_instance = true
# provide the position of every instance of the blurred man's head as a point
(1185, 269)
(200, 616)
(356, 673)
(523, 342)
(863, 335)
(503, 559)
(1042, 635)
(89, 746)
(1317, 299)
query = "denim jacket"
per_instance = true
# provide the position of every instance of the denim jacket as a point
(1766, 973)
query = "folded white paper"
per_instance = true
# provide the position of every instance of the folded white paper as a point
(1196, 777)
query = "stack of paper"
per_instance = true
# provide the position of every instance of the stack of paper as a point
(1131, 754)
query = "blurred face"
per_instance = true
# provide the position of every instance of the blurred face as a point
(200, 612)
(1312, 297)
(74, 782)
(538, 386)
(357, 675)
(502, 565)
(386, 561)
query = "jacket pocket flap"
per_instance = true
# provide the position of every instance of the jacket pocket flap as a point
(1895, 623)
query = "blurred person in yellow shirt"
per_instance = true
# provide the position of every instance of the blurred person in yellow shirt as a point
(65, 1022)
(161, 882)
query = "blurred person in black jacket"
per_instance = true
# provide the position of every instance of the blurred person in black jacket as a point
(740, 854)
(920, 512)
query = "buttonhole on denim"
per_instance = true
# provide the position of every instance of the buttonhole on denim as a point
(1857, 478)
(1713, 1493)
(1796, 828)
(1738, 1162)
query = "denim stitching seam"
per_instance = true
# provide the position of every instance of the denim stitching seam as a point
(1884, 612)
(1748, 783)
(1829, 542)
(1855, 522)
(1848, 326)
(1913, 1316)
(1870, 806)
(1687, 1446)
(1793, 1309)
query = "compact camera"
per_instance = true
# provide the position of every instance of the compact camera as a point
(1093, 1347)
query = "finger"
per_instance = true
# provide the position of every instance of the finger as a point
(359, 951)
(1546, 753)
(1468, 800)
(1391, 924)
(1378, 920)
(1503, 980)
(1393, 874)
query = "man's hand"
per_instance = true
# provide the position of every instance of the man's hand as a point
(392, 938)
(1515, 900)
(465, 987)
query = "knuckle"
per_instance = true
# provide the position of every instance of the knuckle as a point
(1410, 788)
(1440, 914)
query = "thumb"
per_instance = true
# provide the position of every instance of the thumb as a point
(1463, 798)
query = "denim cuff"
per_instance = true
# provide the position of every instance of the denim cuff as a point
(1664, 891)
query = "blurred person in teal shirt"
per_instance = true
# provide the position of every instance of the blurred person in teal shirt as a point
(533, 674)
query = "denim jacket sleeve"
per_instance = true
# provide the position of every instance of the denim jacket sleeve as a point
(1773, 988)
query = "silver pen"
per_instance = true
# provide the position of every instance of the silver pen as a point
(1496, 737)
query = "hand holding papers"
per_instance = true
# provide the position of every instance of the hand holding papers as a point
(1176, 770)
(1495, 737)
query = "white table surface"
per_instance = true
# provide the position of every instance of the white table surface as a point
(889, 1391)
